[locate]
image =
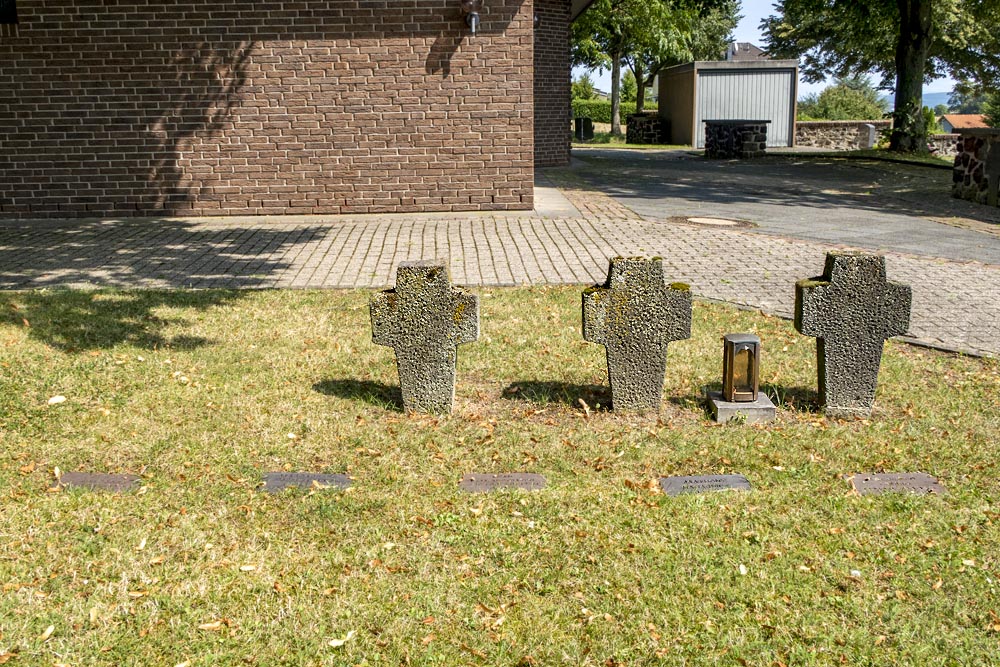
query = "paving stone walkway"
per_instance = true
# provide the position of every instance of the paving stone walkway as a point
(956, 305)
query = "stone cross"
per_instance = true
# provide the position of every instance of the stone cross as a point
(851, 310)
(424, 320)
(634, 316)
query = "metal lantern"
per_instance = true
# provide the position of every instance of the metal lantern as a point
(740, 367)
(471, 9)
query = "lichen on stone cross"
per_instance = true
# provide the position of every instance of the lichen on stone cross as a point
(424, 319)
(634, 316)
(851, 310)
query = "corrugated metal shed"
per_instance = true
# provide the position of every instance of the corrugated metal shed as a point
(719, 90)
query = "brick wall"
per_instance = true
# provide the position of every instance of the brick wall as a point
(233, 107)
(552, 83)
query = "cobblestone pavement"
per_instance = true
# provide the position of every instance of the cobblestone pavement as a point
(956, 305)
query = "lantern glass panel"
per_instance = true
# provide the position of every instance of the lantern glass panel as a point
(743, 371)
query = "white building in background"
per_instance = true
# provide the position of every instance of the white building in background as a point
(747, 85)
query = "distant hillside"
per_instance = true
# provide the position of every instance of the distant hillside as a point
(933, 99)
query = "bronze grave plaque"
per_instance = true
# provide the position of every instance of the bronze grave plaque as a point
(877, 483)
(675, 486)
(279, 481)
(484, 482)
(95, 481)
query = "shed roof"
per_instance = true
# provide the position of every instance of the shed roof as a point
(962, 121)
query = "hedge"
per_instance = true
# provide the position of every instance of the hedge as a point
(600, 110)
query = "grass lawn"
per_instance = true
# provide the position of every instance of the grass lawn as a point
(608, 139)
(201, 392)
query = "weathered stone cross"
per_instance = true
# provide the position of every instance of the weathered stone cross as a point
(851, 310)
(424, 320)
(634, 316)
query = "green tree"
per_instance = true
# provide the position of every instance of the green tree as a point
(853, 98)
(647, 35)
(991, 110)
(629, 87)
(940, 109)
(583, 88)
(690, 30)
(966, 97)
(604, 34)
(903, 41)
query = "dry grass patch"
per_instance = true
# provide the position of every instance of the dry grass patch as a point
(201, 392)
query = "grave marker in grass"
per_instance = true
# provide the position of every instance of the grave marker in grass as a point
(634, 315)
(424, 320)
(851, 310)
(877, 483)
(675, 486)
(94, 481)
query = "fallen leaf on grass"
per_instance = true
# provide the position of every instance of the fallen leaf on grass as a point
(428, 639)
(213, 625)
(337, 643)
(247, 568)
(48, 633)
(56, 400)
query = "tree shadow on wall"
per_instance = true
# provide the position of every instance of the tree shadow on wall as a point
(442, 51)
(211, 79)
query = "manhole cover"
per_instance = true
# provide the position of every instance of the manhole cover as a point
(717, 222)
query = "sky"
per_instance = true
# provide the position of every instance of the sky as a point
(748, 30)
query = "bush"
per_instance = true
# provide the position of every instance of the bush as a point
(848, 99)
(600, 110)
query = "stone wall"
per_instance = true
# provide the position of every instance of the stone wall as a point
(233, 107)
(647, 128)
(971, 174)
(946, 144)
(838, 135)
(552, 83)
(726, 139)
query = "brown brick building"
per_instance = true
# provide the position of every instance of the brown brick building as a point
(183, 107)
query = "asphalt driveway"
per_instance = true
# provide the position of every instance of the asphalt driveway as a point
(862, 203)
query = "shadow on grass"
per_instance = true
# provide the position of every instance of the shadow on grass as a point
(381, 395)
(75, 321)
(538, 391)
(692, 402)
(799, 399)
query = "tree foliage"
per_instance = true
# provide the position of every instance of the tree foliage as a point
(853, 98)
(629, 87)
(583, 88)
(648, 35)
(902, 41)
(966, 97)
(991, 110)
